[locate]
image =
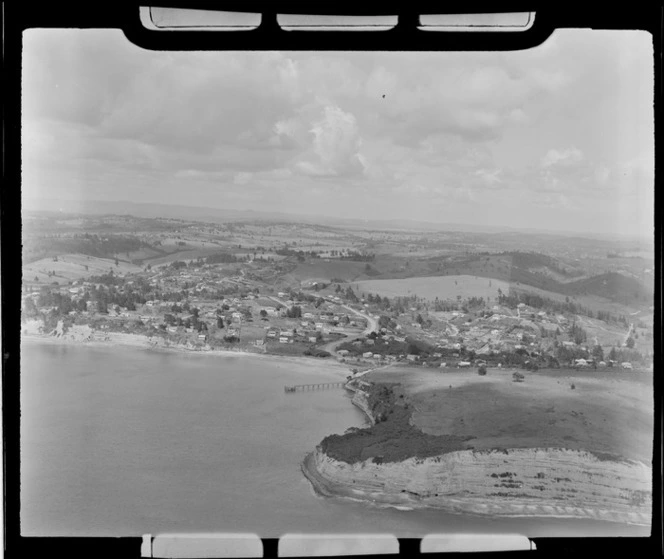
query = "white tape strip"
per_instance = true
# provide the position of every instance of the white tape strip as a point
(451, 543)
(201, 546)
(325, 545)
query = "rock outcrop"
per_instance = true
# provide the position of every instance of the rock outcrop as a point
(533, 481)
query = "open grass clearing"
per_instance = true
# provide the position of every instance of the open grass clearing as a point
(71, 267)
(432, 287)
(608, 411)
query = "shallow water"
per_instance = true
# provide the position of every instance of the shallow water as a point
(123, 441)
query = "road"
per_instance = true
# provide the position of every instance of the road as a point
(372, 325)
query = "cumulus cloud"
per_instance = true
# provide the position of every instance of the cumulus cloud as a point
(330, 140)
(566, 157)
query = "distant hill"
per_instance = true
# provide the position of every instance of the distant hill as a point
(613, 286)
(539, 271)
(216, 215)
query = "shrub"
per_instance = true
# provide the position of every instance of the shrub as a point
(482, 370)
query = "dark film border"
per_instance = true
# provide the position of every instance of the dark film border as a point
(268, 36)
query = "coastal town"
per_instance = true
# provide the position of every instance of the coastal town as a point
(254, 302)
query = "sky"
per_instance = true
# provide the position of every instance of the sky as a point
(559, 137)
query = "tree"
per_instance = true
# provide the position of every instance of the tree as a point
(263, 313)
(220, 322)
(598, 353)
(630, 342)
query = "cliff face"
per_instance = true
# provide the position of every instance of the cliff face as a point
(360, 400)
(543, 482)
(536, 481)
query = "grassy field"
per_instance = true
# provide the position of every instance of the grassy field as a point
(430, 287)
(606, 334)
(607, 412)
(70, 267)
(320, 270)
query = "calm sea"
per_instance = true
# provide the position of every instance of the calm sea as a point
(119, 441)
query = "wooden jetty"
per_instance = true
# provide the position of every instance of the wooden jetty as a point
(318, 386)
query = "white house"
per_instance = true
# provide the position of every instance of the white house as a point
(283, 340)
(367, 355)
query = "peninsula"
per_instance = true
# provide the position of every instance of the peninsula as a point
(486, 445)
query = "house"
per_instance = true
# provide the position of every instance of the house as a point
(283, 340)
(319, 325)
(342, 352)
(281, 294)
(308, 315)
(377, 356)
(626, 365)
(202, 336)
(464, 364)
(369, 341)
(312, 339)
(412, 357)
(271, 334)
(259, 342)
(367, 355)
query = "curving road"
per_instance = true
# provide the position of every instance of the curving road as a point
(372, 326)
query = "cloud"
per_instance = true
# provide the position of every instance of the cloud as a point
(566, 157)
(490, 177)
(331, 144)
(421, 132)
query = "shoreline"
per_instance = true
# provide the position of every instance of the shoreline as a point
(136, 341)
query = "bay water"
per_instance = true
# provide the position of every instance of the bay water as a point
(119, 441)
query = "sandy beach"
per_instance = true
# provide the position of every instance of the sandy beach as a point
(84, 336)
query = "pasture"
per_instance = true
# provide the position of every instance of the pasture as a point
(322, 270)
(608, 412)
(432, 287)
(70, 267)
